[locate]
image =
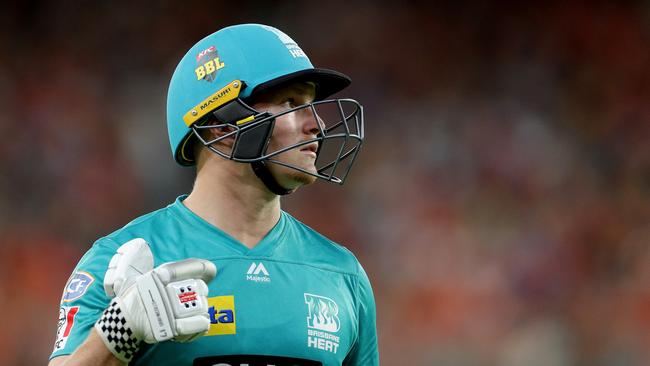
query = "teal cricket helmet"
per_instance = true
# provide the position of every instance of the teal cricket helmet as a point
(233, 64)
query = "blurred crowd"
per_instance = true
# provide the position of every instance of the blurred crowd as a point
(501, 203)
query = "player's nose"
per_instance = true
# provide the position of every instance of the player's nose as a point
(312, 123)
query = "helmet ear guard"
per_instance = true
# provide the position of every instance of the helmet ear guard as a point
(252, 142)
(251, 139)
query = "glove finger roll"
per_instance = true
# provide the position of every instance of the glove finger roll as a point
(192, 325)
(186, 269)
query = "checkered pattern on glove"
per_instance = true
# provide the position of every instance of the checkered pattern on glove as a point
(113, 328)
(153, 305)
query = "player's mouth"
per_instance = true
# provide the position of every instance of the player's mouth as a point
(310, 149)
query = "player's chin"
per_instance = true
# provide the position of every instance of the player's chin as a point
(302, 179)
(296, 178)
(291, 178)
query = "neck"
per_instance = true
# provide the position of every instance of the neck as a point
(229, 196)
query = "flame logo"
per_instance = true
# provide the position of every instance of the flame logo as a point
(323, 313)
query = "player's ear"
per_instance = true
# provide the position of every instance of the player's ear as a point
(210, 134)
(214, 133)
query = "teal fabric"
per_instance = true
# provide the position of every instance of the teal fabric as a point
(296, 294)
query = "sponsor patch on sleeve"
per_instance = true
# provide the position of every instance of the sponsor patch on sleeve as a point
(77, 285)
(64, 326)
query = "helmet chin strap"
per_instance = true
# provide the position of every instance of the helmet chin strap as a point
(262, 172)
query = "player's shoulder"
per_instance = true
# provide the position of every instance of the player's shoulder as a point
(149, 224)
(315, 248)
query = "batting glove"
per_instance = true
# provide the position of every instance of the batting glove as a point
(153, 305)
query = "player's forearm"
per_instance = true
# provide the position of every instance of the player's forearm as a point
(92, 352)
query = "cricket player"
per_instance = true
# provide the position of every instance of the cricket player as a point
(223, 276)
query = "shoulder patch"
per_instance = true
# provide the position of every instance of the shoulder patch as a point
(64, 327)
(77, 285)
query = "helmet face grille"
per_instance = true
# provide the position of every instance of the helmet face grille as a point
(343, 135)
(339, 138)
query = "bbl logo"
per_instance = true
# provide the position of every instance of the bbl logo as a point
(208, 63)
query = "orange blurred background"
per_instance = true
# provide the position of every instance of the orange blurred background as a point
(501, 204)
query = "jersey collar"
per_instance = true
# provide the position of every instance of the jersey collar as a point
(215, 235)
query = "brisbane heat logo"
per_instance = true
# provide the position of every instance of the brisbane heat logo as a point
(208, 63)
(323, 313)
(322, 322)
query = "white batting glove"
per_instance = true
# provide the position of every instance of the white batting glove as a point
(153, 305)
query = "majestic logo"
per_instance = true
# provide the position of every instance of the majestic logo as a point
(208, 63)
(77, 286)
(258, 273)
(221, 310)
(322, 321)
(64, 326)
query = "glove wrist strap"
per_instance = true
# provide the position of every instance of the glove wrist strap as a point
(118, 337)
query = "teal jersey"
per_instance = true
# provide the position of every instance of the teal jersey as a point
(295, 299)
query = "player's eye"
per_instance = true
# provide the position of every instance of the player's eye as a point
(291, 102)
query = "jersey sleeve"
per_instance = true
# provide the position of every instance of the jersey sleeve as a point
(365, 351)
(83, 298)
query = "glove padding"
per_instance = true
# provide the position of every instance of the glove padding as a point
(153, 305)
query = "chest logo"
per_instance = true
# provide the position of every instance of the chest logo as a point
(221, 310)
(258, 273)
(322, 322)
